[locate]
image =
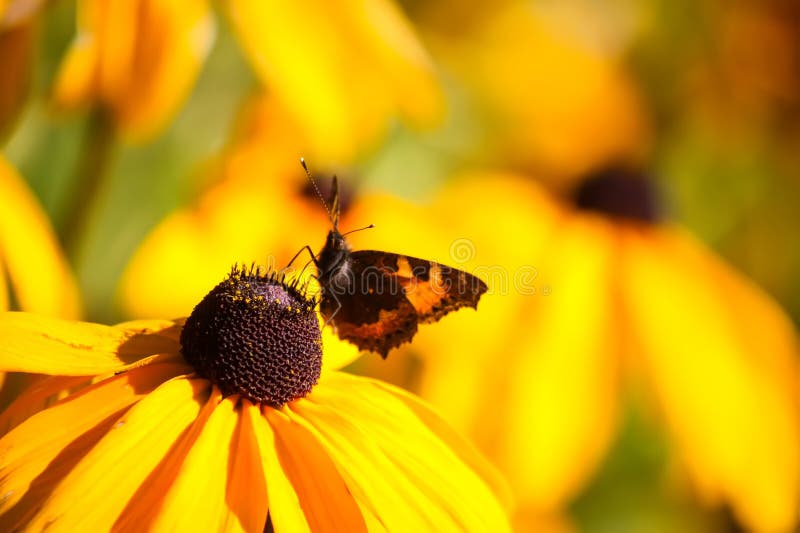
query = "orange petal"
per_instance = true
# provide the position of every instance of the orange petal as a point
(322, 493)
(246, 494)
(44, 448)
(43, 345)
(722, 360)
(394, 464)
(97, 490)
(35, 264)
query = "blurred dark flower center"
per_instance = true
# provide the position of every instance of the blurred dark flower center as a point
(325, 186)
(620, 193)
(257, 336)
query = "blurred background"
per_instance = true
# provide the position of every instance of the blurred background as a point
(625, 174)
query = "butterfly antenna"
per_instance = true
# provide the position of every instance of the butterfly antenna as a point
(359, 229)
(314, 183)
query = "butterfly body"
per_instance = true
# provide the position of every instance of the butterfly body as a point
(376, 299)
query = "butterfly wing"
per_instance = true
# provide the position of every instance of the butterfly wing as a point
(390, 294)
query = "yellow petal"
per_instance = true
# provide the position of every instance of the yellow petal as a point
(148, 502)
(115, 26)
(43, 345)
(38, 271)
(198, 493)
(4, 303)
(336, 352)
(722, 359)
(398, 505)
(359, 60)
(99, 488)
(323, 495)
(37, 454)
(173, 40)
(285, 510)
(74, 85)
(465, 450)
(560, 359)
(394, 464)
(35, 398)
(246, 494)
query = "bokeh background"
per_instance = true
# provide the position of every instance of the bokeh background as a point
(626, 175)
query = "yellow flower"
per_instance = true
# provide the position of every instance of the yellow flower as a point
(549, 92)
(30, 255)
(147, 442)
(583, 304)
(342, 70)
(138, 59)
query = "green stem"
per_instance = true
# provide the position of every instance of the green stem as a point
(93, 163)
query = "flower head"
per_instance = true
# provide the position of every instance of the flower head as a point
(256, 337)
(616, 301)
(234, 434)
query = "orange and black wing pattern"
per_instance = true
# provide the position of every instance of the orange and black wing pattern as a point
(388, 295)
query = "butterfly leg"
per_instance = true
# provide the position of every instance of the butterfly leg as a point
(310, 251)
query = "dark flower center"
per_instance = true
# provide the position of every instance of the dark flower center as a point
(257, 336)
(325, 188)
(621, 193)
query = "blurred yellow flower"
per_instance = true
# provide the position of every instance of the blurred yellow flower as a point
(30, 256)
(549, 86)
(147, 442)
(611, 301)
(136, 59)
(342, 70)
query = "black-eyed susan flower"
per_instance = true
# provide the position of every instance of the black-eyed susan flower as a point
(31, 260)
(136, 60)
(588, 300)
(229, 420)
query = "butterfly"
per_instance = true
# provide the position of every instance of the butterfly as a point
(376, 299)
